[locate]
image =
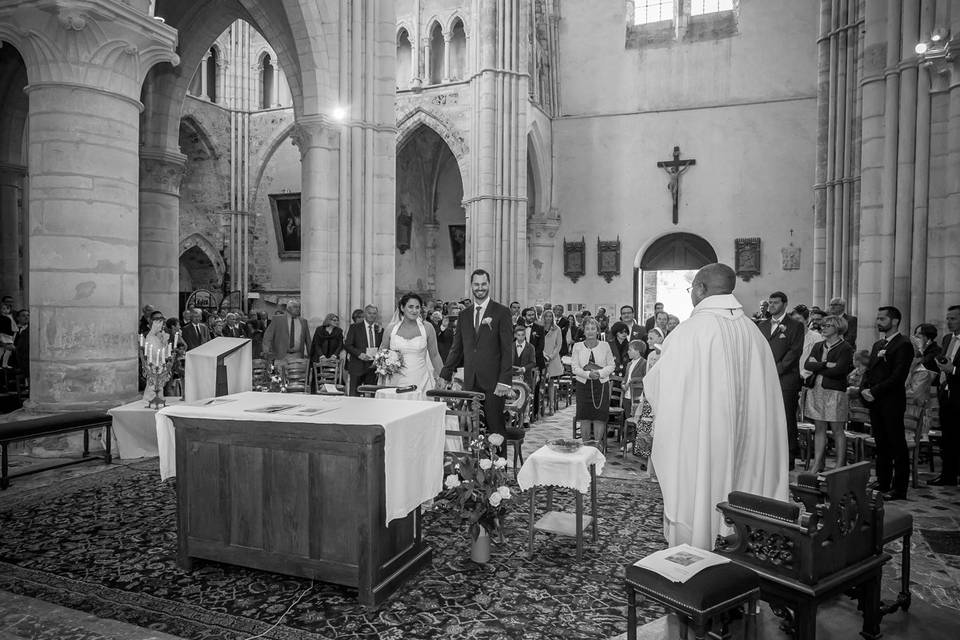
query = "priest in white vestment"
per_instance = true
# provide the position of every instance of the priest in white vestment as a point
(719, 420)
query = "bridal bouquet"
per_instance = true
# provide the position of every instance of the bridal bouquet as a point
(478, 486)
(388, 362)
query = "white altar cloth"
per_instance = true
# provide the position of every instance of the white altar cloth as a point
(135, 427)
(413, 435)
(200, 368)
(546, 467)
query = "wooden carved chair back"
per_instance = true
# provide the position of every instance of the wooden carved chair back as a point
(328, 370)
(464, 414)
(296, 377)
(518, 402)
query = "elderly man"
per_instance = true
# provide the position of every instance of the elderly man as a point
(195, 332)
(719, 418)
(361, 343)
(232, 328)
(287, 338)
(838, 307)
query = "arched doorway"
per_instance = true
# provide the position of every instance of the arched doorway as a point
(431, 223)
(665, 270)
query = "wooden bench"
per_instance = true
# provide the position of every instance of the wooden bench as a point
(11, 432)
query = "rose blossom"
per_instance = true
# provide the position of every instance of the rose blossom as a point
(495, 499)
(500, 463)
(452, 481)
(504, 492)
(495, 439)
(485, 464)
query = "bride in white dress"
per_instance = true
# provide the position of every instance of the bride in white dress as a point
(417, 341)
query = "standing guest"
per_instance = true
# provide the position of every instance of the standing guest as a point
(176, 335)
(838, 307)
(619, 345)
(195, 333)
(524, 360)
(603, 320)
(443, 331)
(883, 391)
(356, 316)
(327, 339)
(186, 317)
(363, 339)
(816, 319)
(562, 324)
(287, 338)
(948, 394)
(654, 346)
(829, 363)
(8, 327)
(925, 346)
(801, 314)
(854, 379)
(672, 322)
(763, 313)
(21, 343)
(715, 385)
(785, 337)
(483, 345)
(232, 328)
(573, 333)
(515, 312)
(552, 344)
(592, 364)
(145, 317)
(216, 326)
(264, 319)
(535, 336)
(636, 369)
(660, 325)
(255, 328)
(650, 322)
(628, 317)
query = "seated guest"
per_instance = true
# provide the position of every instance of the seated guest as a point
(592, 363)
(327, 339)
(925, 346)
(524, 360)
(552, 342)
(830, 361)
(860, 361)
(619, 346)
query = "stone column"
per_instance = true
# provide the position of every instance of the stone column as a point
(446, 57)
(497, 208)
(322, 267)
(160, 174)
(542, 240)
(204, 89)
(86, 62)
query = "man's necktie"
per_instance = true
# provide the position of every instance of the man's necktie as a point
(476, 323)
(292, 345)
(370, 340)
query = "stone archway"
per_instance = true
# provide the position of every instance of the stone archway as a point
(201, 265)
(664, 269)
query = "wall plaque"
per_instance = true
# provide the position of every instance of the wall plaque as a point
(574, 259)
(791, 258)
(608, 258)
(747, 252)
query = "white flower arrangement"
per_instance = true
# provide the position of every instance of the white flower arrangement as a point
(388, 362)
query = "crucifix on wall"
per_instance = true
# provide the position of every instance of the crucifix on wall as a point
(675, 168)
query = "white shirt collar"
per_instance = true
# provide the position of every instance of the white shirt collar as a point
(780, 319)
(481, 305)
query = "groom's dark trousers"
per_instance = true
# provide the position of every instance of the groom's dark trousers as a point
(486, 353)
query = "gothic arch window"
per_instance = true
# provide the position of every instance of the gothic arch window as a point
(437, 54)
(268, 80)
(701, 7)
(458, 51)
(404, 59)
(212, 71)
(648, 11)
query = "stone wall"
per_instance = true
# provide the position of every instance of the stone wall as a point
(746, 113)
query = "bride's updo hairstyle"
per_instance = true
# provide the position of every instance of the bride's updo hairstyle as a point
(407, 298)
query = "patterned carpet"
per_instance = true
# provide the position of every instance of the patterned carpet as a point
(106, 544)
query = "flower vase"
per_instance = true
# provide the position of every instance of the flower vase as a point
(480, 550)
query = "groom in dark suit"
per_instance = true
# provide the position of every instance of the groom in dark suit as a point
(483, 344)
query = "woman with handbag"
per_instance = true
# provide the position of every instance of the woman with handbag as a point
(592, 363)
(826, 400)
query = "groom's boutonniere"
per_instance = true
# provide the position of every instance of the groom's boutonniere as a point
(782, 331)
(487, 322)
(882, 354)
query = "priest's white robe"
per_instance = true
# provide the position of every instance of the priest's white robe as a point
(719, 422)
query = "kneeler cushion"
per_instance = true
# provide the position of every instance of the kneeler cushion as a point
(712, 586)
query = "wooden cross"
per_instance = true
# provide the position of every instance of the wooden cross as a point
(675, 168)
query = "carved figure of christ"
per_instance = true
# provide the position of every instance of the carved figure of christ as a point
(675, 168)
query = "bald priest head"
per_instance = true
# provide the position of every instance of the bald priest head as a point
(712, 280)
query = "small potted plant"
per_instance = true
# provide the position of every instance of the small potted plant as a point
(477, 488)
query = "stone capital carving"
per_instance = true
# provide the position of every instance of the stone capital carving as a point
(542, 231)
(311, 132)
(101, 44)
(161, 170)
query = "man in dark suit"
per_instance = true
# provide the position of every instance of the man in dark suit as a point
(195, 333)
(885, 395)
(524, 358)
(562, 324)
(231, 328)
(287, 338)
(361, 337)
(628, 317)
(949, 395)
(535, 338)
(785, 336)
(838, 307)
(483, 344)
(652, 320)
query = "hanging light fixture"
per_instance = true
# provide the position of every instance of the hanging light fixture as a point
(937, 51)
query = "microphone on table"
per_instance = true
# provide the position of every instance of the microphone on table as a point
(408, 389)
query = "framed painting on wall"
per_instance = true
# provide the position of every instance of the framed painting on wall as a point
(458, 245)
(574, 259)
(286, 222)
